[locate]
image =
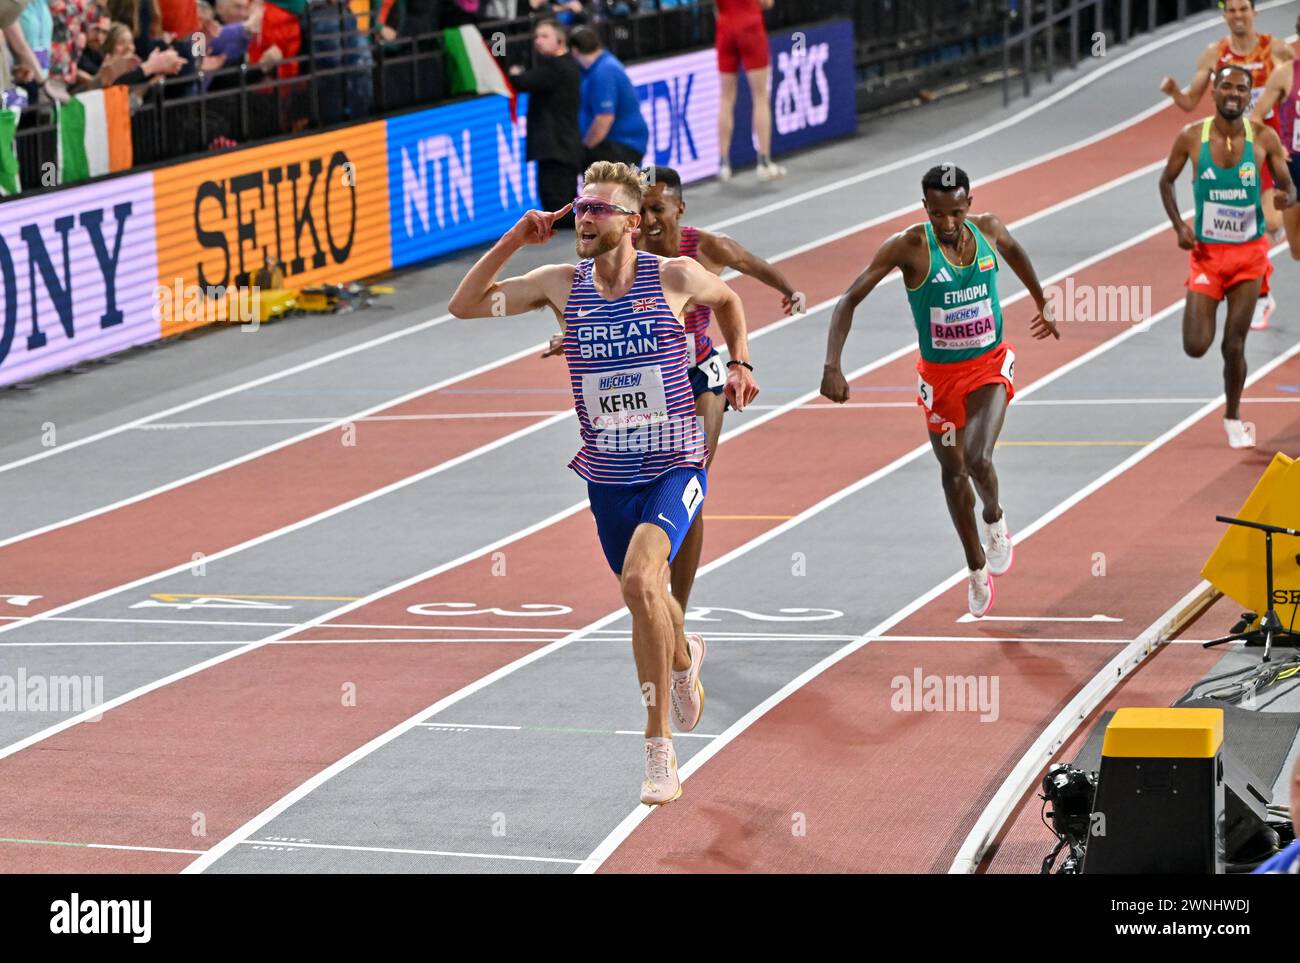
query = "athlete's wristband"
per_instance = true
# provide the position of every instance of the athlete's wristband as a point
(744, 363)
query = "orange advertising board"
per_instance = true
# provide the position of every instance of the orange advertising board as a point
(316, 204)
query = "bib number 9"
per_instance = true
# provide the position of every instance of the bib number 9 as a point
(715, 372)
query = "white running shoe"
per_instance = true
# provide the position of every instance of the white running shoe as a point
(661, 782)
(1264, 308)
(770, 171)
(979, 592)
(1239, 436)
(724, 172)
(688, 691)
(998, 549)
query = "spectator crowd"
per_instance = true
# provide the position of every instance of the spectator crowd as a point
(53, 50)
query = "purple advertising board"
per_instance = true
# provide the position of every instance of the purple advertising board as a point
(679, 101)
(78, 269)
(811, 86)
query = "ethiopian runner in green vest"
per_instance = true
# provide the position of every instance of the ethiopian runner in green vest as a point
(965, 375)
(1229, 258)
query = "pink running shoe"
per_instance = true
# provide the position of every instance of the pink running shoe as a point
(661, 783)
(688, 690)
(979, 592)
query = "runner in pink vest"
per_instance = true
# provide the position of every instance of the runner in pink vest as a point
(1283, 92)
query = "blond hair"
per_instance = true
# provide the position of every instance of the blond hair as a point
(625, 176)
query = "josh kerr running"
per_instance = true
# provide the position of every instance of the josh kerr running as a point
(642, 452)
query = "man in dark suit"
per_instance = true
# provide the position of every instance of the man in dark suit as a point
(554, 142)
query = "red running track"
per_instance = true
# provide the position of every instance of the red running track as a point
(213, 514)
(231, 740)
(838, 753)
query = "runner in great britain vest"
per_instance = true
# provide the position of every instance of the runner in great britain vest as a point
(627, 369)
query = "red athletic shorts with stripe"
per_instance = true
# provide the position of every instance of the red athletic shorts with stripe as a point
(942, 387)
(1216, 268)
(741, 43)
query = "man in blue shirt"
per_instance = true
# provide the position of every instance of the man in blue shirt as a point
(609, 111)
(1288, 861)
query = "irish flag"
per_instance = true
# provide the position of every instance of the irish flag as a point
(95, 134)
(471, 68)
(8, 157)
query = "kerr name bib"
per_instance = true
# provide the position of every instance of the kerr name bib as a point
(631, 398)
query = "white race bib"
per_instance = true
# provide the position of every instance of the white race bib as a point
(691, 497)
(714, 372)
(1009, 366)
(1295, 130)
(1227, 222)
(925, 393)
(632, 398)
(964, 327)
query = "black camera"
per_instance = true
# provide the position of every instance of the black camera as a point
(1069, 790)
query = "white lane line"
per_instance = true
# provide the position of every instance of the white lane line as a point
(127, 642)
(332, 420)
(634, 819)
(1040, 618)
(1067, 721)
(823, 406)
(294, 844)
(594, 637)
(118, 846)
(271, 448)
(557, 729)
(618, 633)
(320, 778)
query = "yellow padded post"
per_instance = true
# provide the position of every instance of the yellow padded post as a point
(1164, 734)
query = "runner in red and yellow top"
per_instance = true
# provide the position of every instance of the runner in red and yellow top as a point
(1259, 53)
(1229, 250)
(950, 266)
(1281, 99)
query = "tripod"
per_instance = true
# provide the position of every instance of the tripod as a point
(1270, 626)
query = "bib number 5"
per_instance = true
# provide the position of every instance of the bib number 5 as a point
(925, 392)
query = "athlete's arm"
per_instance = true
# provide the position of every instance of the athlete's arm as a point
(1188, 99)
(1275, 89)
(1282, 52)
(481, 295)
(722, 250)
(1275, 158)
(894, 253)
(1178, 158)
(599, 129)
(1043, 325)
(689, 281)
